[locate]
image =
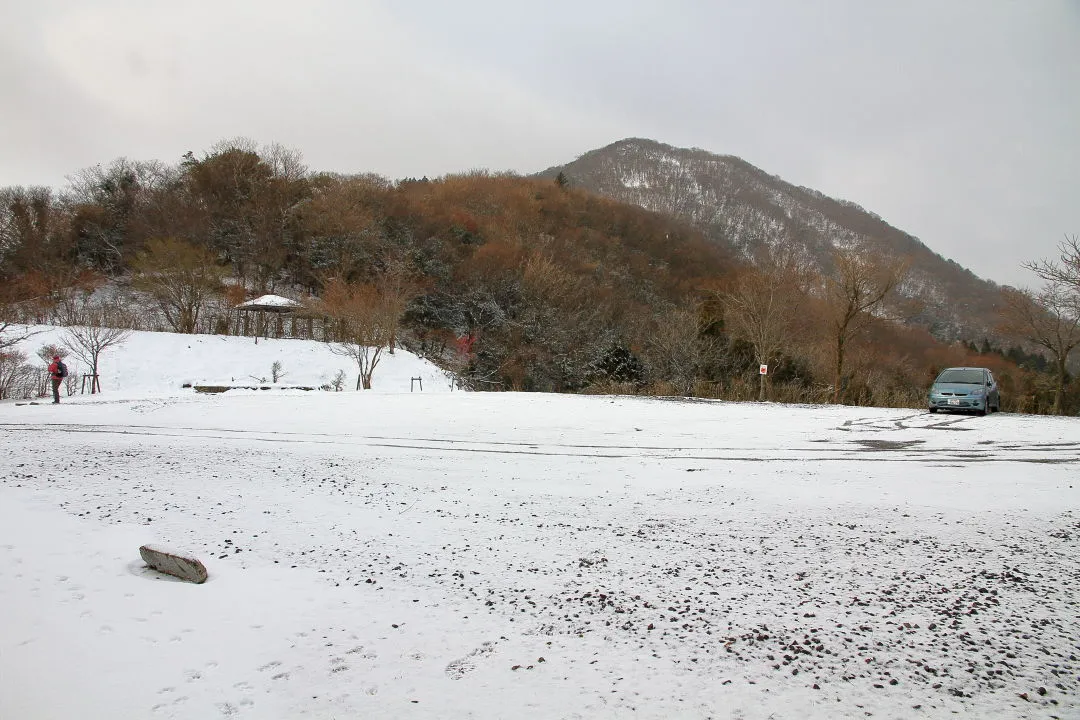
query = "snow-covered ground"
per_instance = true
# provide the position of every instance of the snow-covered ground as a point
(159, 364)
(463, 555)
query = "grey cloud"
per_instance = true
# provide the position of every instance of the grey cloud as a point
(954, 121)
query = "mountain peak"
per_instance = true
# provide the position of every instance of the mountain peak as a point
(749, 211)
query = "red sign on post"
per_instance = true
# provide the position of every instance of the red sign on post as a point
(763, 370)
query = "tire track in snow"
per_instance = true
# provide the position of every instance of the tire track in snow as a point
(857, 451)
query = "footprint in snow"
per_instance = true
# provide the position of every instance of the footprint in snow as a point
(461, 667)
(165, 706)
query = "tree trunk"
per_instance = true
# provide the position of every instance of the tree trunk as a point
(839, 367)
(1059, 391)
(186, 323)
(761, 387)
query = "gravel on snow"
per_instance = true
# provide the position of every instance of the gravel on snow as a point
(854, 563)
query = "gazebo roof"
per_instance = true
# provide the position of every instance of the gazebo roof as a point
(270, 303)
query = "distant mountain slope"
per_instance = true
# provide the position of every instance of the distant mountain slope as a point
(742, 207)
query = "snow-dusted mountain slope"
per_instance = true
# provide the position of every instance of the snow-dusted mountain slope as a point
(744, 208)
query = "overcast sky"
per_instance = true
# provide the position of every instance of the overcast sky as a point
(956, 121)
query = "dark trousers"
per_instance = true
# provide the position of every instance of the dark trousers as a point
(56, 389)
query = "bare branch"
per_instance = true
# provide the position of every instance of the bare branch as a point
(762, 308)
(363, 323)
(181, 278)
(88, 341)
(1050, 319)
(859, 284)
(1064, 270)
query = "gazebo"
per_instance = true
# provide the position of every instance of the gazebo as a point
(275, 305)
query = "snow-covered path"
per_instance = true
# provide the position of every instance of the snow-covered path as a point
(496, 555)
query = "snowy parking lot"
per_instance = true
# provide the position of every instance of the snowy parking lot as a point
(465, 555)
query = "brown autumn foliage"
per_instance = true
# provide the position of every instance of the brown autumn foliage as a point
(1050, 319)
(512, 283)
(364, 322)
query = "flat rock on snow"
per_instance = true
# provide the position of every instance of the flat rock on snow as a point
(175, 563)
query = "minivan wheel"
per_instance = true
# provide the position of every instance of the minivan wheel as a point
(933, 410)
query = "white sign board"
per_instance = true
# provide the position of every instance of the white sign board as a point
(763, 370)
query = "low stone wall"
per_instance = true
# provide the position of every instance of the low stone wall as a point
(226, 388)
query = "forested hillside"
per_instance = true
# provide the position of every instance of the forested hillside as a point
(508, 282)
(744, 209)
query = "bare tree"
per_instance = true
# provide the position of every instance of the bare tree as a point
(1049, 318)
(361, 325)
(88, 341)
(762, 308)
(11, 333)
(48, 351)
(182, 279)
(1066, 269)
(677, 349)
(108, 209)
(859, 284)
(396, 289)
(33, 230)
(16, 376)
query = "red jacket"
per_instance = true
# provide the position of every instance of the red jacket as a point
(54, 370)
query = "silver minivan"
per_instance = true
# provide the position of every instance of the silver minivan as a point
(965, 388)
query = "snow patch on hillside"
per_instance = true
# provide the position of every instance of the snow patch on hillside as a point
(154, 363)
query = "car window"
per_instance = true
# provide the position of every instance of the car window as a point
(969, 376)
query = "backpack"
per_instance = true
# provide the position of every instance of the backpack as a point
(61, 369)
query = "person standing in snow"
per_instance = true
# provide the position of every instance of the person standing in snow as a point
(57, 371)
